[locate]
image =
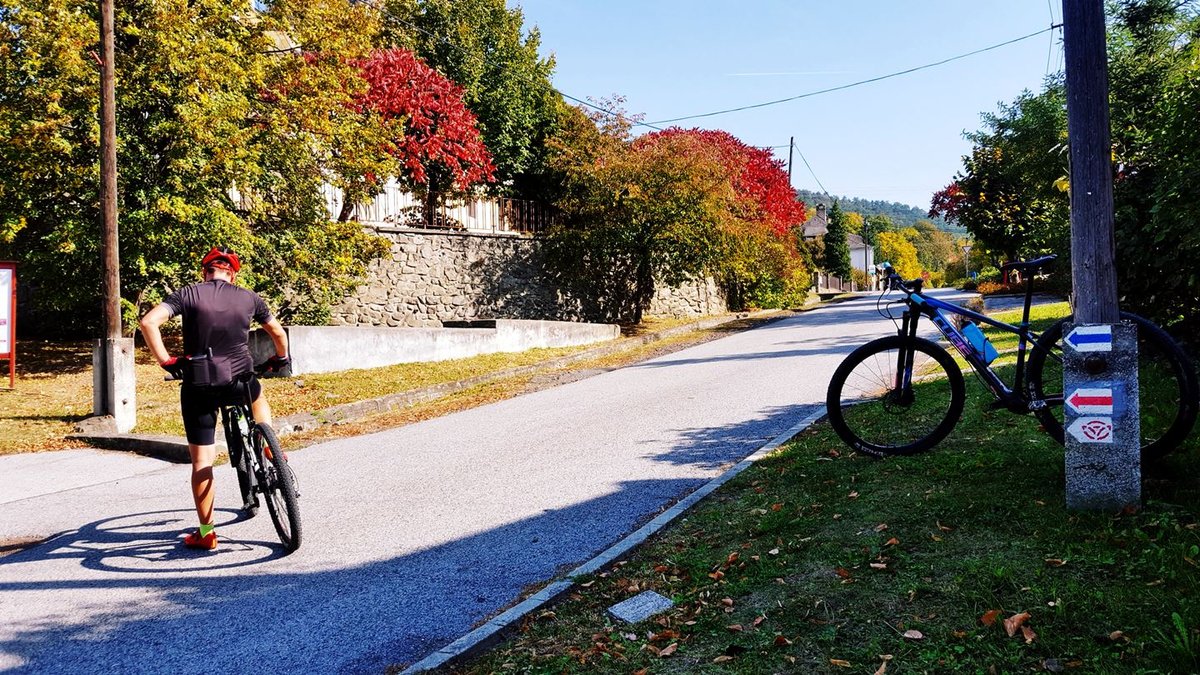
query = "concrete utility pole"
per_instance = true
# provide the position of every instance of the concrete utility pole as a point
(113, 385)
(1100, 381)
(791, 148)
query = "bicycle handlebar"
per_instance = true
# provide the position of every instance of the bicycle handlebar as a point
(260, 369)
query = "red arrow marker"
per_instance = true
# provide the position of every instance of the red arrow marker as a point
(1091, 401)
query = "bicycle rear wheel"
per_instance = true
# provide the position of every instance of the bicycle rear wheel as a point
(1166, 384)
(875, 412)
(279, 487)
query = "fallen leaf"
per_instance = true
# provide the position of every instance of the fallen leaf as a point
(881, 527)
(717, 576)
(935, 537)
(882, 668)
(661, 568)
(1013, 623)
(587, 584)
(914, 635)
(650, 648)
(834, 453)
(668, 650)
(776, 507)
(640, 671)
(781, 641)
(840, 663)
(853, 495)
(892, 542)
(722, 658)
(989, 617)
(843, 572)
(1117, 635)
(728, 602)
(943, 528)
(735, 628)
(773, 551)
(959, 633)
(1055, 562)
(758, 621)
(632, 637)
(879, 566)
(1028, 633)
(732, 558)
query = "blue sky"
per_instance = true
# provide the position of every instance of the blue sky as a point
(897, 140)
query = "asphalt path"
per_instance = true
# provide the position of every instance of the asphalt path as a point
(412, 535)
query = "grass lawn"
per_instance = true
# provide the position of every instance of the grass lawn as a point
(962, 559)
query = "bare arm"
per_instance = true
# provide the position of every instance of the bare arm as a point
(278, 336)
(150, 331)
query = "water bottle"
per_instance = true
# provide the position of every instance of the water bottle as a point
(242, 425)
(979, 342)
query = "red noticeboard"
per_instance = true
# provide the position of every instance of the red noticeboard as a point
(8, 319)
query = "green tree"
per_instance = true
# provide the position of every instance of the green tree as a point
(480, 46)
(222, 138)
(935, 248)
(837, 248)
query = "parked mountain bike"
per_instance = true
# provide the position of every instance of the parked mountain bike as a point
(261, 465)
(903, 394)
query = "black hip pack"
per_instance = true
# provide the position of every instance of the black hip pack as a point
(205, 371)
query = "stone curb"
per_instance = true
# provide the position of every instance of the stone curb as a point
(493, 631)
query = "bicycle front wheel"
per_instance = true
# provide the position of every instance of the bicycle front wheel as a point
(895, 396)
(1167, 387)
(279, 487)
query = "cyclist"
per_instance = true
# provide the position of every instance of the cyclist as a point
(216, 331)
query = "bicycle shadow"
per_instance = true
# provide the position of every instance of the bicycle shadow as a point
(148, 543)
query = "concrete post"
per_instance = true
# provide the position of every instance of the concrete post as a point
(114, 387)
(1101, 417)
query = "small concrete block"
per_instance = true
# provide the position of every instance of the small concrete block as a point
(640, 607)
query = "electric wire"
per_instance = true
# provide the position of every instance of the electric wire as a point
(854, 84)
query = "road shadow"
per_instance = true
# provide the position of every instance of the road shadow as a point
(354, 619)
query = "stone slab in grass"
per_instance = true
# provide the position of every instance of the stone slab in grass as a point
(640, 607)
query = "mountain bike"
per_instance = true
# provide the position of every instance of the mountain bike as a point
(904, 394)
(260, 463)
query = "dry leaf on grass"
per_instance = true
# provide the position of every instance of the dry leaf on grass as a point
(781, 641)
(840, 663)
(1013, 623)
(668, 650)
(723, 658)
(989, 617)
(882, 668)
(914, 635)
(881, 527)
(1028, 634)
(892, 542)
(843, 572)
(943, 528)
(879, 566)
(735, 628)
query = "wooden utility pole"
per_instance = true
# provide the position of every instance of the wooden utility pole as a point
(1093, 272)
(1100, 366)
(791, 148)
(108, 175)
(113, 383)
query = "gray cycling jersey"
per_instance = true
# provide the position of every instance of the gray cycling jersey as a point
(216, 315)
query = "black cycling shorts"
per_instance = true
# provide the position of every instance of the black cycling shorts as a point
(199, 406)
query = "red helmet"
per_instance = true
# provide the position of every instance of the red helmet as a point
(224, 257)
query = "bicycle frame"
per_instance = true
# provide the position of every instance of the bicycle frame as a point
(919, 303)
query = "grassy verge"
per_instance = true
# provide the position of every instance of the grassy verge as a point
(54, 387)
(820, 560)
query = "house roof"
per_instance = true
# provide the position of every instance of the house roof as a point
(817, 225)
(856, 241)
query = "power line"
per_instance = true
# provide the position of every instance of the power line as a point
(810, 169)
(855, 84)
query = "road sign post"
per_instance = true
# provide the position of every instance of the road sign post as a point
(1103, 451)
(1101, 418)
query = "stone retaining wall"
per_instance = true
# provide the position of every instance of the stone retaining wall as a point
(434, 277)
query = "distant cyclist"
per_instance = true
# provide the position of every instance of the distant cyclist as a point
(216, 334)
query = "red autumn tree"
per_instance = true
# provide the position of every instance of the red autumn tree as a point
(441, 148)
(759, 180)
(761, 265)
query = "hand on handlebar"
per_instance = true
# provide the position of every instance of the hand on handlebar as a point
(174, 366)
(275, 364)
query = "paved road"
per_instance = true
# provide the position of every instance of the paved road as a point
(413, 535)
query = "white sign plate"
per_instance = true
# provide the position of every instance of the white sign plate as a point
(6, 309)
(1092, 429)
(1090, 339)
(1091, 401)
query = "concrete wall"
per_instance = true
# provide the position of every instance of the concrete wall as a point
(430, 278)
(324, 349)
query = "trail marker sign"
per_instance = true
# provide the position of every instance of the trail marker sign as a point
(1085, 401)
(1090, 338)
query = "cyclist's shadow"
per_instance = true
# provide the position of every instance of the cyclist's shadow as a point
(148, 543)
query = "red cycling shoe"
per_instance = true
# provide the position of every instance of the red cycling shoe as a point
(205, 543)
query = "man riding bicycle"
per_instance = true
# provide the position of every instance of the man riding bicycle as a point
(216, 333)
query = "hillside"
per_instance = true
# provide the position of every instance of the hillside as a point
(902, 214)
